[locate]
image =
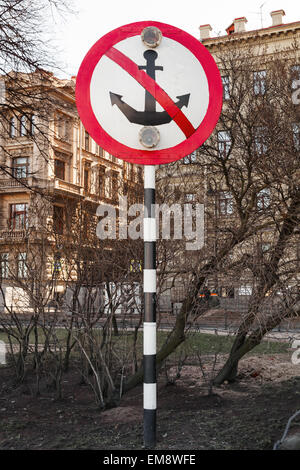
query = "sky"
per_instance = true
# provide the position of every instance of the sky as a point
(94, 18)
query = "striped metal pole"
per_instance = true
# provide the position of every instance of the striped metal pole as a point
(149, 308)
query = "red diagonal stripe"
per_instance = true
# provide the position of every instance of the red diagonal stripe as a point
(152, 87)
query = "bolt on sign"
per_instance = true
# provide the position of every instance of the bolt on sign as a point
(149, 93)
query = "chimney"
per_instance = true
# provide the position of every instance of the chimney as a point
(277, 17)
(205, 31)
(240, 24)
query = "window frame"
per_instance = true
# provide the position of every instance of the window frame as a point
(4, 265)
(260, 140)
(59, 165)
(245, 289)
(86, 141)
(32, 124)
(101, 181)
(114, 184)
(18, 219)
(87, 177)
(189, 198)
(225, 203)
(22, 268)
(226, 87)
(224, 144)
(23, 125)
(18, 166)
(190, 159)
(12, 127)
(262, 196)
(259, 82)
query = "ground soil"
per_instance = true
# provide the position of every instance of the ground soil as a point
(248, 414)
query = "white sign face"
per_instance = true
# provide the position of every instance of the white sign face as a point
(149, 102)
(178, 73)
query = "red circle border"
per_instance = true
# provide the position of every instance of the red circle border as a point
(148, 157)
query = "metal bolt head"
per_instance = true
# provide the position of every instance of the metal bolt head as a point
(149, 136)
(151, 36)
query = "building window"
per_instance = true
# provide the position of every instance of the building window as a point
(264, 248)
(32, 124)
(22, 265)
(101, 182)
(296, 136)
(58, 220)
(114, 184)
(20, 167)
(87, 177)
(189, 197)
(129, 171)
(18, 216)
(192, 158)
(224, 143)
(59, 169)
(63, 128)
(87, 141)
(99, 151)
(67, 130)
(227, 292)
(140, 174)
(225, 203)
(23, 125)
(245, 290)
(226, 87)
(260, 140)
(295, 76)
(264, 199)
(259, 82)
(4, 265)
(12, 127)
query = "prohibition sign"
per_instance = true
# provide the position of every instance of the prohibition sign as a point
(122, 85)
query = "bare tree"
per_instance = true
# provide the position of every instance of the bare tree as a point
(246, 174)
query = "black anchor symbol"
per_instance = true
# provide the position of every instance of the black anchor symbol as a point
(149, 117)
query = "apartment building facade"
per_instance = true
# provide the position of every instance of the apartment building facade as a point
(50, 167)
(208, 178)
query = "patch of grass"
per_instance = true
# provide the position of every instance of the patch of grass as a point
(206, 343)
(202, 343)
(60, 334)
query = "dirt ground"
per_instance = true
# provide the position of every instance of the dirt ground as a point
(249, 414)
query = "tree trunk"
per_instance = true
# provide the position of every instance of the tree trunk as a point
(230, 369)
(115, 325)
(242, 346)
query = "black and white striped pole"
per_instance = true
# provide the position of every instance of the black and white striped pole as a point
(149, 340)
(149, 137)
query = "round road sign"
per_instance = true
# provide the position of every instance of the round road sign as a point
(123, 86)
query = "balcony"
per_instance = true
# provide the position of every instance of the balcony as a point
(13, 185)
(101, 199)
(70, 188)
(12, 235)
